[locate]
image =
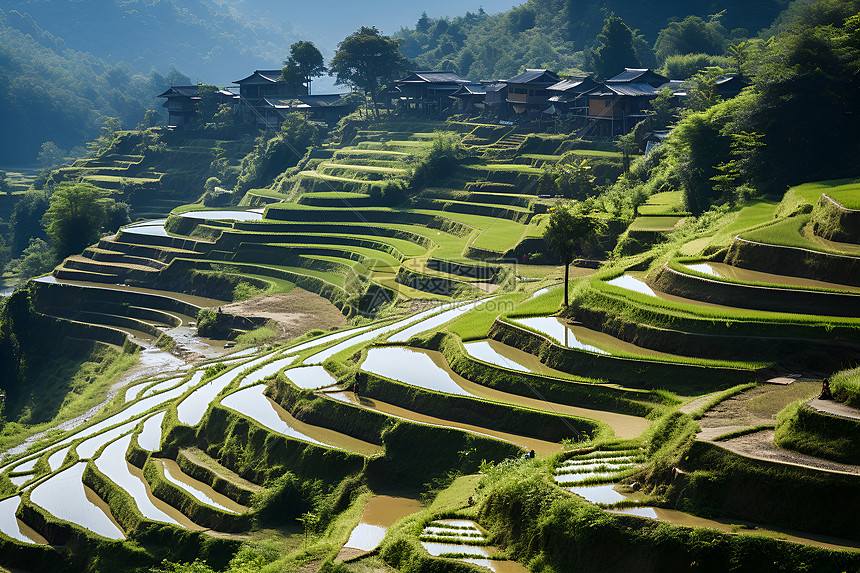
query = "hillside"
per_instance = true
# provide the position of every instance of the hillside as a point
(551, 33)
(52, 92)
(397, 344)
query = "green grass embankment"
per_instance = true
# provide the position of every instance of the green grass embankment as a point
(576, 391)
(682, 377)
(804, 430)
(556, 531)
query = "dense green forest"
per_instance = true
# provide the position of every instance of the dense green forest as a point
(557, 34)
(52, 92)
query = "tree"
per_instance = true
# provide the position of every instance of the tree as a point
(5, 187)
(51, 155)
(26, 220)
(36, 259)
(692, 35)
(307, 60)
(615, 50)
(366, 59)
(570, 228)
(74, 218)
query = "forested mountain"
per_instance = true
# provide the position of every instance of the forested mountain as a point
(553, 33)
(51, 92)
(197, 36)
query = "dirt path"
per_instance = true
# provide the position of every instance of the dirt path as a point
(294, 312)
(832, 408)
(759, 407)
(760, 446)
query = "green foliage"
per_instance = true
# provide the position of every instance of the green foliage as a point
(367, 60)
(256, 337)
(207, 320)
(74, 218)
(37, 258)
(305, 63)
(273, 155)
(437, 165)
(26, 221)
(285, 500)
(692, 35)
(685, 66)
(615, 49)
(245, 290)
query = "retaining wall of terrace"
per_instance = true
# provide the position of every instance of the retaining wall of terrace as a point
(273, 229)
(794, 261)
(832, 221)
(788, 345)
(368, 216)
(797, 301)
(626, 371)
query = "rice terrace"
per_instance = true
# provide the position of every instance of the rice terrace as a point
(601, 315)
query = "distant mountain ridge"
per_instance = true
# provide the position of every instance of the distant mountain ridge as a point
(198, 37)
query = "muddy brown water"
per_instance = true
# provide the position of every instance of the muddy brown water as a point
(201, 491)
(429, 369)
(112, 463)
(722, 270)
(65, 496)
(583, 338)
(541, 447)
(380, 513)
(252, 403)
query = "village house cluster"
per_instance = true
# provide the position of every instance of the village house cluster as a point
(612, 107)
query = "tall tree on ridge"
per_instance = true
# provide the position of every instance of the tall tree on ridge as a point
(615, 50)
(307, 60)
(366, 59)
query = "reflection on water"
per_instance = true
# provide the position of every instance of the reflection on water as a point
(411, 367)
(310, 377)
(264, 372)
(149, 437)
(435, 321)
(429, 369)
(253, 404)
(66, 497)
(558, 331)
(437, 549)
(199, 490)
(541, 447)
(630, 282)
(190, 411)
(321, 357)
(113, 465)
(88, 448)
(13, 527)
(223, 215)
(497, 566)
(325, 340)
(598, 493)
(379, 514)
(722, 270)
(484, 351)
(26, 466)
(55, 460)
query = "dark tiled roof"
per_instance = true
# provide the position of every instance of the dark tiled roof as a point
(573, 85)
(272, 76)
(638, 75)
(433, 78)
(539, 76)
(470, 89)
(181, 91)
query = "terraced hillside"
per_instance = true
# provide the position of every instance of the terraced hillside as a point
(648, 406)
(156, 171)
